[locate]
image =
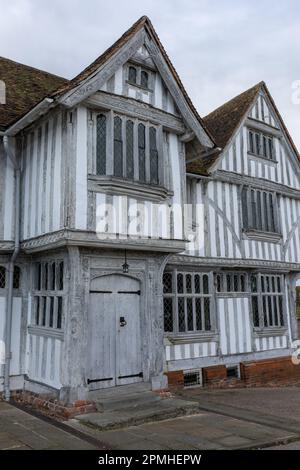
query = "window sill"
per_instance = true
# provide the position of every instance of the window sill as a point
(271, 331)
(190, 338)
(271, 237)
(44, 331)
(120, 186)
(261, 158)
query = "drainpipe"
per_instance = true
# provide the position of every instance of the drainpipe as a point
(9, 299)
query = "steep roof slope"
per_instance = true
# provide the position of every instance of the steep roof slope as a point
(224, 121)
(25, 88)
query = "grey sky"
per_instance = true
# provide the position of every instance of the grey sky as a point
(219, 47)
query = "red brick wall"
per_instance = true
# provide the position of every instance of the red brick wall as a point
(277, 371)
(268, 372)
(175, 379)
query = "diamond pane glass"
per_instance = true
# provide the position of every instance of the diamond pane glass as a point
(118, 147)
(181, 319)
(197, 283)
(142, 152)
(129, 150)
(207, 314)
(198, 314)
(17, 277)
(188, 283)
(168, 314)
(255, 311)
(101, 145)
(180, 283)
(205, 284)
(2, 277)
(167, 282)
(60, 276)
(153, 156)
(59, 312)
(190, 322)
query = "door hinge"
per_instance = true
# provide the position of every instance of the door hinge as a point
(136, 292)
(141, 375)
(90, 381)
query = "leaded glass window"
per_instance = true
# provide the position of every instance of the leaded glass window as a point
(144, 79)
(132, 75)
(17, 277)
(153, 156)
(118, 147)
(142, 152)
(48, 284)
(259, 210)
(2, 277)
(129, 150)
(101, 144)
(187, 302)
(267, 300)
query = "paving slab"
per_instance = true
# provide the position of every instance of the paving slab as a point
(22, 431)
(202, 431)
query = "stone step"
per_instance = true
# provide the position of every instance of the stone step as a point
(156, 410)
(132, 401)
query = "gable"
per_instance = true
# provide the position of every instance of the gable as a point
(262, 111)
(152, 90)
(105, 73)
(237, 157)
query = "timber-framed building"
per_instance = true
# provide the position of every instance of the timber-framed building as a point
(105, 279)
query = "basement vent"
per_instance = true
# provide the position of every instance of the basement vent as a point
(192, 378)
(233, 372)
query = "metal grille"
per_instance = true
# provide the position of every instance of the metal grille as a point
(142, 152)
(101, 144)
(2, 277)
(153, 156)
(17, 277)
(144, 79)
(129, 150)
(192, 378)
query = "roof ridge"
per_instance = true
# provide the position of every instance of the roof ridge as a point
(33, 68)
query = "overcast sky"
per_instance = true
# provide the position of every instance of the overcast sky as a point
(219, 47)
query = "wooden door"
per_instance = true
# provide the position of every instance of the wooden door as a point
(114, 332)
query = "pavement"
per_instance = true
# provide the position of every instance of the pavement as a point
(266, 418)
(20, 430)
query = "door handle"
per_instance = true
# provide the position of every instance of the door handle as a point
(123, 322)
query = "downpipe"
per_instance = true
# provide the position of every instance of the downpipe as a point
(11, 266)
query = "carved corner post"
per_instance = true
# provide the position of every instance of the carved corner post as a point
(75, 343)
(291, 280)
(156, 347)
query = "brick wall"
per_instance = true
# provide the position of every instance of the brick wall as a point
(271, 372)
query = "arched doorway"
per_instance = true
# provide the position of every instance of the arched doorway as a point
(114, 337)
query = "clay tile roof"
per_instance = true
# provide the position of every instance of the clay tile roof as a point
(25, 88)
(224, 120)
